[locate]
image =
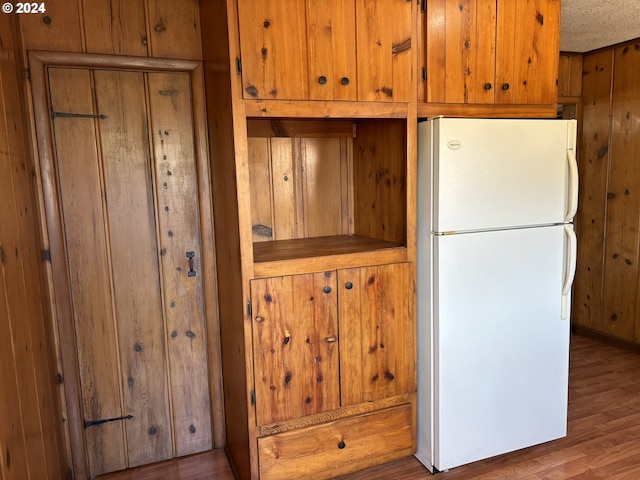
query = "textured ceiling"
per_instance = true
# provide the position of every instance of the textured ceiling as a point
(591, 24)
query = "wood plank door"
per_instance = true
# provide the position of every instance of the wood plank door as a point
(127, 197)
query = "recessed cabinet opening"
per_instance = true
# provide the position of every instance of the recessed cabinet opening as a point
(327, 187)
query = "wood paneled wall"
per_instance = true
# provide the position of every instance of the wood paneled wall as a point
(31, 440)
(607, 287)
(153, 28)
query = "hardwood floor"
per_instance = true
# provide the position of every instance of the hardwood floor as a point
(603, 440)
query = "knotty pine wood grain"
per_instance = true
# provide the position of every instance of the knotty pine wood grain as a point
(148, 28)
(124, 142)
(603, 427)
(621, 255)
(570, 75)
(295, 337)
(31, 438)
(384, 51)
(332, 49)
(78, 164)
(377, 332)
(593, 157)
(179, 231)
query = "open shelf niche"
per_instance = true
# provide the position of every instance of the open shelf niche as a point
(324, 189)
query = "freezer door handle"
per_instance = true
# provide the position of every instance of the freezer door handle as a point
(573, 186)
(572, 257)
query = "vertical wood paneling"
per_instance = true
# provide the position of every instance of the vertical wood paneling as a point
(179, 231)
(383, 37)
(323, 193)
(156, 28)
(174, 27)
(380, 153)
(87, 249)
(295, 333)
(570, 75)
(124, 139)
(593, 157)
(332, 49)
(59, 29)
(117, 27)
(377, 332)
(23, 300)
(261, 195)
(623, 193)
(287, 216)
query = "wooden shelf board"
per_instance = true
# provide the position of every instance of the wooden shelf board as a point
(288, 257)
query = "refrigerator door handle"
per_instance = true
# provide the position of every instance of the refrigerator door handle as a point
(573, 186)
(571, 260)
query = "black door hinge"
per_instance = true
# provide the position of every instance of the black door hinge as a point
(55, 115)
(253, 398)
(423, 6)
(60, 379)
(46, 254)
(238, 65)
(424, 74)
(91, 423)
(249, 309)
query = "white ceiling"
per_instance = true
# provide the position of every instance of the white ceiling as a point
(591, 24)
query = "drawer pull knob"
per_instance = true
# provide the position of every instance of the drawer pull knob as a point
(344, 81)
(322, 80)
(327, 289)
(487, 86)
(505, 86)
(348, 285)
(341, 445)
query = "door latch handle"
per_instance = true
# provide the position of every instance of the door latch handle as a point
(192, 272)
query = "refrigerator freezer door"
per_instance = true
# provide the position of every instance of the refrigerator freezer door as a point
(495, 173)
(501, 349)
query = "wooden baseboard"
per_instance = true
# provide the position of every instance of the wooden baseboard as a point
(606, 338)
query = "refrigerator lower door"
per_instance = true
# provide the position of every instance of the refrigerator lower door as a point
(501, 348)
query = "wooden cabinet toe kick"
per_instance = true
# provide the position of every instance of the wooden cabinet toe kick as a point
(336, 448)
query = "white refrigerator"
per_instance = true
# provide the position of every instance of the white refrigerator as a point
(496, 260)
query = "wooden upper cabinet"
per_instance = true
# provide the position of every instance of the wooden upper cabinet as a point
(491, 51)
(330, 50)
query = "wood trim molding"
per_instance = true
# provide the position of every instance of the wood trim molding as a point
(53, 235)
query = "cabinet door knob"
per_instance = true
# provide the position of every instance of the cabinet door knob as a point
(331, 339)
(341, 444)
(327, 289)
(348, 285)
(505, 86)
(322, 79)
(259, 319)
(487, 86)
(344, 81)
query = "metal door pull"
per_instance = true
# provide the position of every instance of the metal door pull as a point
(192, 272)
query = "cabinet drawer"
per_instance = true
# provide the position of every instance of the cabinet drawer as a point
(340, 447)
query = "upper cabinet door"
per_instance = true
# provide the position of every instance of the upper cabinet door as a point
(384, 50)
(273, 45)
(460, 51)
(528, 44)
(491, 51)
(326, 50)
(332, 49)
